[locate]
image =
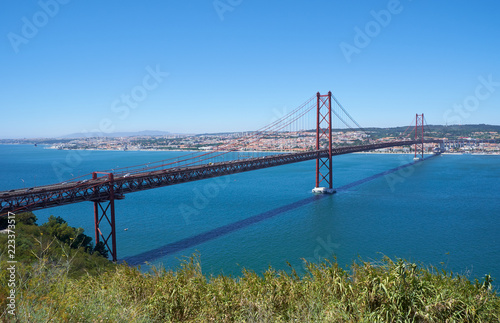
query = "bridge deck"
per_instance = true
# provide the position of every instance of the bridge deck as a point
(41, 197)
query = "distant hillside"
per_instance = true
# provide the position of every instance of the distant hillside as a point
(440, 131)
(118, 134)
(467, 130)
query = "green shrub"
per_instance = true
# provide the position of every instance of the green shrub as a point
(61, 278)
(392, 291)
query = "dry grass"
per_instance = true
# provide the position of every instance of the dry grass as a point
(387, 292)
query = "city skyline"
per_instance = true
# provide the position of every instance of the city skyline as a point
(227, 66)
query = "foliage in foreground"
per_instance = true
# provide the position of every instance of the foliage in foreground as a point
(44, 254)
(54, 242)
(389, 292)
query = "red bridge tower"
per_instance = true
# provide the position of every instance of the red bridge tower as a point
(419, 136)
(324, 170)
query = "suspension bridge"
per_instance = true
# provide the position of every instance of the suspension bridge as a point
(103, 188)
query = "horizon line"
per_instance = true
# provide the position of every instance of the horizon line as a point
(79, 135)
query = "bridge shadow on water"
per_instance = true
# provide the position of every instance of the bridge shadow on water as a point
(198, 239)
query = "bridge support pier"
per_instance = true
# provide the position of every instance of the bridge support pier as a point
(104, 212)
(107, 209)
(324, 169)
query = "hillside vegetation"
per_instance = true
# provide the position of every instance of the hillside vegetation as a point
(481, 131)
(54, 242)
(56, 287)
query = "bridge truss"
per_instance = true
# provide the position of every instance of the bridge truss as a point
(324, 169)
(103, 188)
(419, 136)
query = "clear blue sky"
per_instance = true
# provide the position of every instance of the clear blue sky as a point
(231, 64)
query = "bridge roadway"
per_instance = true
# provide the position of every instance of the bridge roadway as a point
(100, 189)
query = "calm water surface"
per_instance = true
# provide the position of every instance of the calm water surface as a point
(444, 211)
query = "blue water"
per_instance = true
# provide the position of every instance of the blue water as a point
(444, 211)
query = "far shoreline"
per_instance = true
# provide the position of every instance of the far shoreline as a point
(44, 146)
(270, 151)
